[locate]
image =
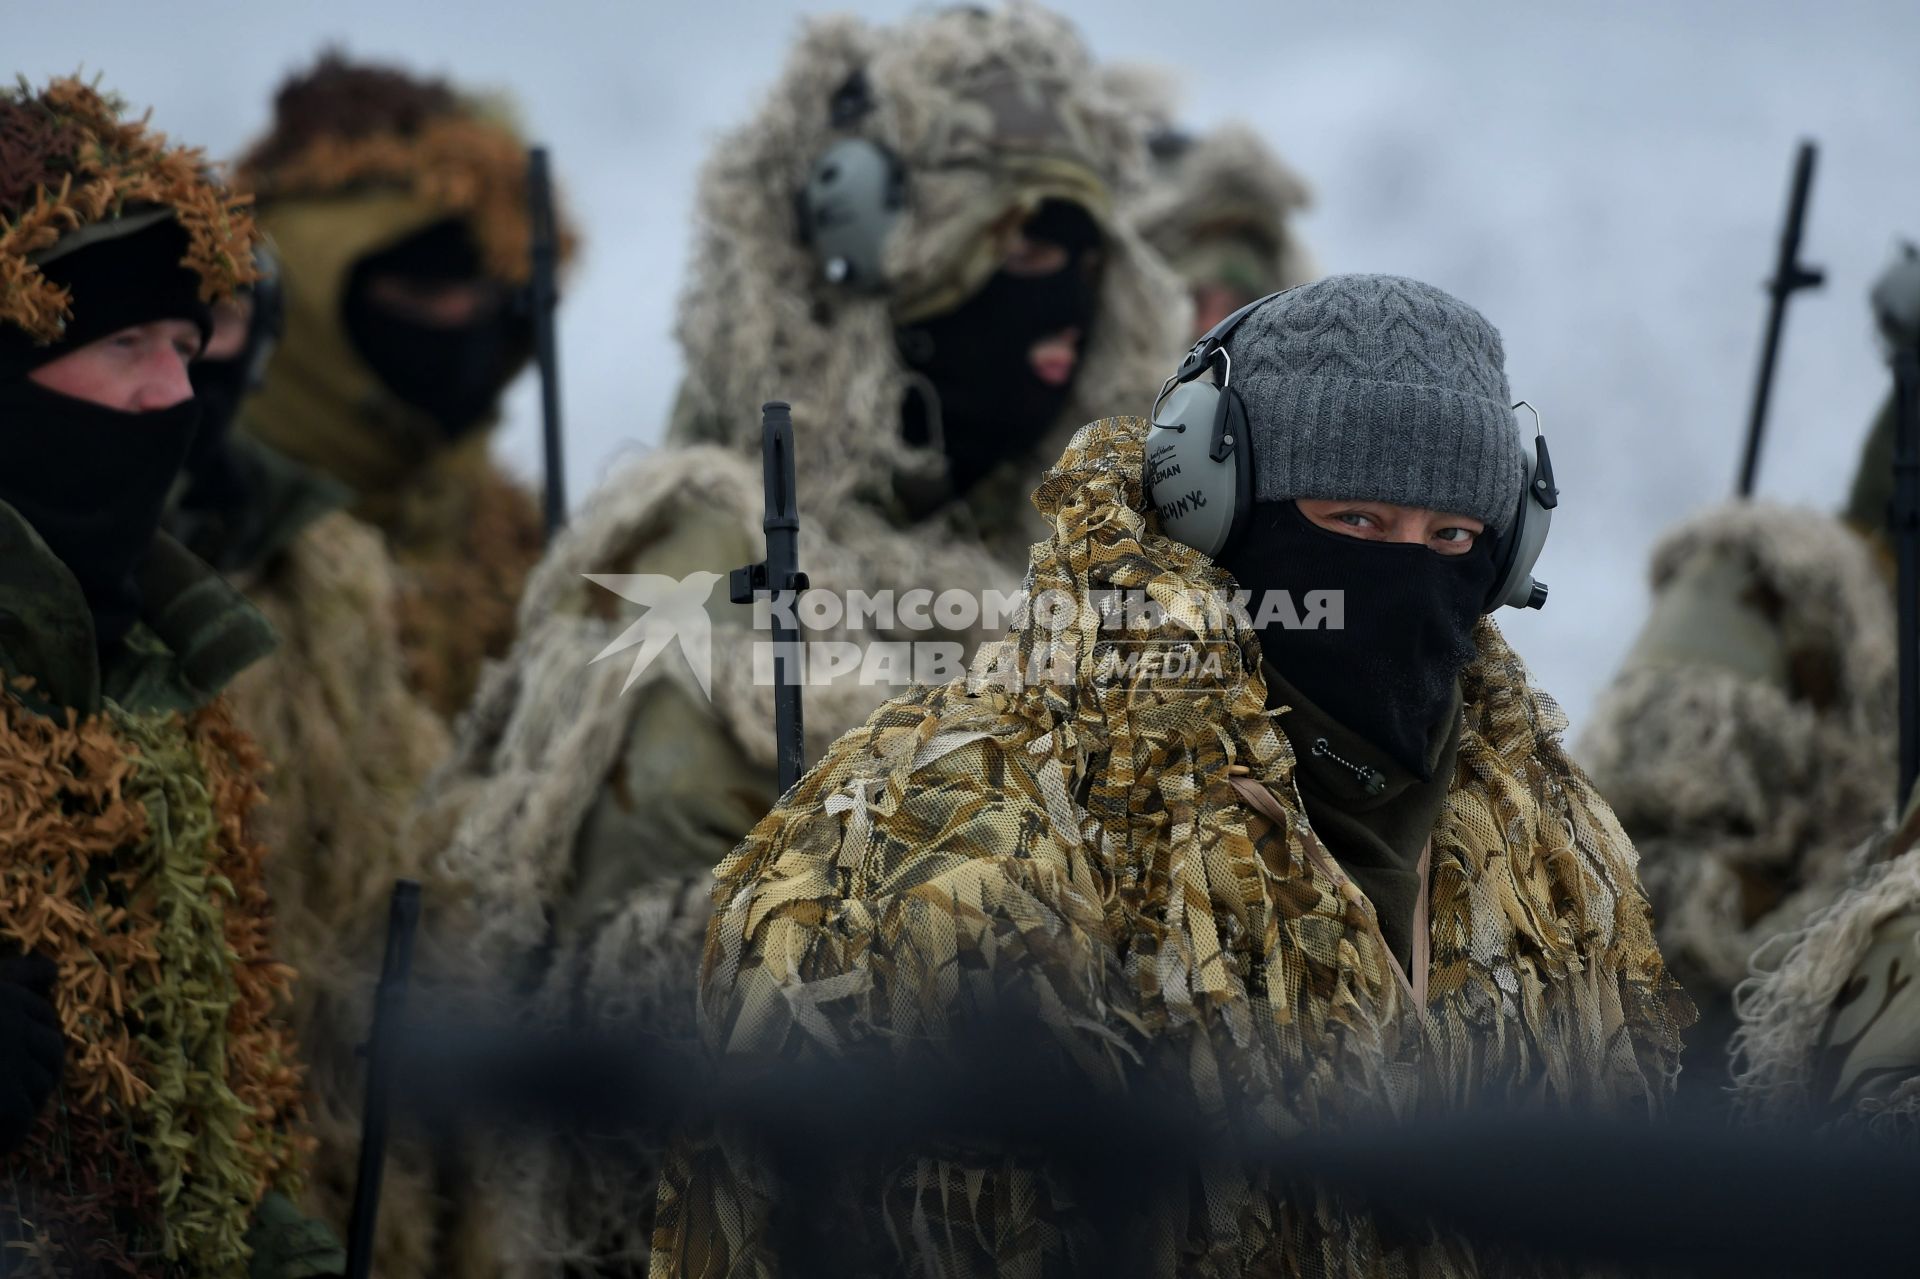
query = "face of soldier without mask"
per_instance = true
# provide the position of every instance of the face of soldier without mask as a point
(1000, 366)
(1414, 583)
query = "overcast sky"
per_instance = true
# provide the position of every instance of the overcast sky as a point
(1605, 182)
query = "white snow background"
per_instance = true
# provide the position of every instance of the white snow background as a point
(1605, 181)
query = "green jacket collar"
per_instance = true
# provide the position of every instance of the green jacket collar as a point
(194, 635)
(283, 497)
(1349, 769)
(1373, 815)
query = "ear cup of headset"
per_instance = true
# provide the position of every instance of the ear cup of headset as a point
(1521, 546)
(1517, 587)
(1201, 502)
(854, 195)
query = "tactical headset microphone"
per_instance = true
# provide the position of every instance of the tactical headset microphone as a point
(1200, 469)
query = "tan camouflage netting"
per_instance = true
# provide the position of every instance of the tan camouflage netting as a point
(1081, 850)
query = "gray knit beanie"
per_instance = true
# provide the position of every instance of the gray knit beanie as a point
(1379, 388)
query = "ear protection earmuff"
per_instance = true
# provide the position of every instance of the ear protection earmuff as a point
(1520, 547)
(1199, 476)
(854, 194)
(269, 321)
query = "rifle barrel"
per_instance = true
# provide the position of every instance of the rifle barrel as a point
(1789, 276)
(782, 525)
(1906, 536)
(546, 258)
(389, 1005)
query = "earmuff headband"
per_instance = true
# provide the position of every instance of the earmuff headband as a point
(1202, 488)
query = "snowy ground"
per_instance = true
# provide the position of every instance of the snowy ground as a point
(1604, 182)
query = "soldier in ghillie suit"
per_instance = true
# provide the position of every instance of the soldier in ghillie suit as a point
(350, 743)
(350, 707)
(1829, 1027)
(933, 368)
(1748, 742)
(1218, 206)
(1830, 1021)
(1347, 873)
(128, 861)
(398, 209)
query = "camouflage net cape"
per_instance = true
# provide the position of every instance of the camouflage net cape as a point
(68, 161)
(125, 857)
(1079, 848)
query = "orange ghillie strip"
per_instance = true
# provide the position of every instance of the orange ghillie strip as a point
(263, 1060)
(124, 839)
(65, 889)
(82, 164)
(463, 165)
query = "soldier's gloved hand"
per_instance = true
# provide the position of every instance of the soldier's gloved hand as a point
(31, 1047)
(289, 1245)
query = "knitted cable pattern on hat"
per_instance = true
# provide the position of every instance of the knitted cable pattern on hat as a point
(1379, 388)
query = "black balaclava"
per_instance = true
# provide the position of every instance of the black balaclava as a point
(454, 375)
(216, 481)
(992, 406)
(1389, 673)
(92, 481)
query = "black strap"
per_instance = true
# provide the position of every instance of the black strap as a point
(1213, 339)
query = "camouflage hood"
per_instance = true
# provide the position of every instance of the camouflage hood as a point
(1220, 209)
(73, 172)
(359, 158)
(990, 112)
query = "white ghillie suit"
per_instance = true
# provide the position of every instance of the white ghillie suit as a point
(350, 743)
(1830, 1026)
(588, 820)
(1219, 206)
(1747, 743)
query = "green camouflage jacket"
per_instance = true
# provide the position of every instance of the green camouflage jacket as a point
(282, 499)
